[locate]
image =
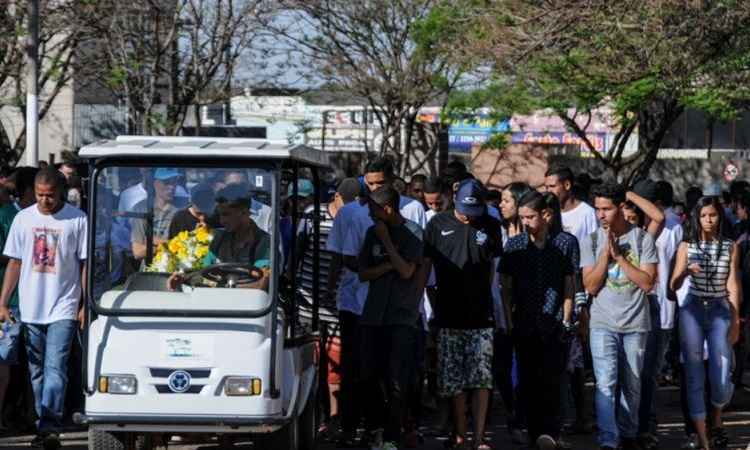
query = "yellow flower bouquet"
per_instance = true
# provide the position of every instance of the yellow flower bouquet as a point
(184, 252)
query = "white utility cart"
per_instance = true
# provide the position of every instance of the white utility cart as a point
(211, 357)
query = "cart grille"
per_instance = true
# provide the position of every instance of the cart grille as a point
(165, 372)
(164, 389)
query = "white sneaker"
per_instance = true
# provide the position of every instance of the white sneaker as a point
(546, 442)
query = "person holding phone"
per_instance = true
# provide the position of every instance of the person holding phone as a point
(710, 313)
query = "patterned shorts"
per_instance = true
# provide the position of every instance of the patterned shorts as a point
(464, 360)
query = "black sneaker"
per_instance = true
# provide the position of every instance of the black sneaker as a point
(692, 443)
(38, 441)
(47, 441)
(630, 444)
(52, 442)
(648, 441)
(347, 440)
(719, 438)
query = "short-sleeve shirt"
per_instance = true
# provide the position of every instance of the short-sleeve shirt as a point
(255, 253)
(50, 248)
(666, 248)
(538, 276)
(347, 238)
(620, 306)
(580, 221)
(351, 293)
(261, 214)
(413, 210)
(463, 258)
(162, 219)
(392, 300)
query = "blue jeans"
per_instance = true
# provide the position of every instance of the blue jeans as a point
(48, 348)
(618, 363)
(657, 344)
(706, 319)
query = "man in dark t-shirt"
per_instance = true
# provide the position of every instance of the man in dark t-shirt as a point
(461, 245)
(390, 260)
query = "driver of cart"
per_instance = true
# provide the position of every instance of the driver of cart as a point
(259, 211)
(164, 209)
(241, 241)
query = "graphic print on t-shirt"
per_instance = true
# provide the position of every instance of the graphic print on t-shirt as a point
(616, 278)
(45, 249)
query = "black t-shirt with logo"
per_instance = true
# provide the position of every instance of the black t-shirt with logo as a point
(462, 256)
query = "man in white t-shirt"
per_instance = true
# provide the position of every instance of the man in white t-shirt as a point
(46, 247)
(579, 218)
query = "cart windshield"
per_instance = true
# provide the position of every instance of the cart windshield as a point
(175, 230)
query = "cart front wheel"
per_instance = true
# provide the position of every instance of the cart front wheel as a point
(106, 440)
(285, 438)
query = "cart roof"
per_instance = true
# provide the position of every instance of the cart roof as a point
(202, 147)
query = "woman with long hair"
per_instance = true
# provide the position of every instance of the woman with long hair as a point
(509, 198)
(710, 313)
(504, 352)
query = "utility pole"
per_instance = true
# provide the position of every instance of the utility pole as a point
(32, 86)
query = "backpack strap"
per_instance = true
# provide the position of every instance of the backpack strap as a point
(641, 234)
(594, 242)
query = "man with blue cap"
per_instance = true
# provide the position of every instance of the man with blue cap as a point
(461, 244)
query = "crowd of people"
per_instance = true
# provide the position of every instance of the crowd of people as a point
(527, 290)
(436, 293)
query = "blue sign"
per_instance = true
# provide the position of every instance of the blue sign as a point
(463, 134)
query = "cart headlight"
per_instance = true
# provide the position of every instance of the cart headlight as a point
(118, 384)
(236, 386)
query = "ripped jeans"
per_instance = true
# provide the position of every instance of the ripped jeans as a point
(706, 319)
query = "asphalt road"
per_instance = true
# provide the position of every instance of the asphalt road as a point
(671, 435)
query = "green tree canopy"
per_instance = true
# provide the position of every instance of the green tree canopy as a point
(644, 62)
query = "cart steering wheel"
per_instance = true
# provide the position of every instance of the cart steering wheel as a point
(231, 274)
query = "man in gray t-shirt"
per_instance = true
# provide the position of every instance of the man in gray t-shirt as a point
(619, 268)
